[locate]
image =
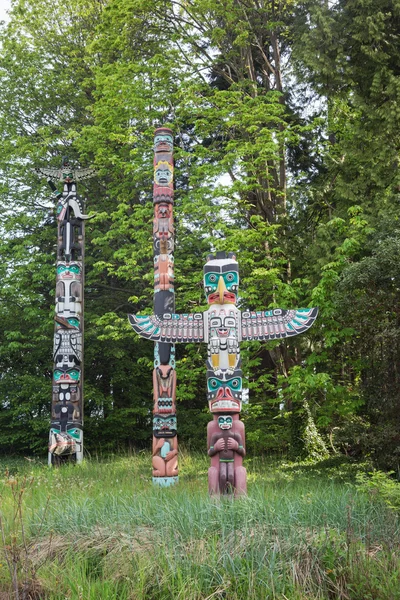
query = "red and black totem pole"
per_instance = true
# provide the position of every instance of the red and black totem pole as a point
(165, 441)
(66, 431)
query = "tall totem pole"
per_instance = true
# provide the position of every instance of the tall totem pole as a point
(66, 431)
(165, 441)
(222, 327)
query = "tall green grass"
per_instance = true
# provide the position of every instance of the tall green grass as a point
(101, 530)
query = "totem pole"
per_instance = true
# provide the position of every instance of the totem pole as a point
(66, 432)
(222, 327)
(165, 441)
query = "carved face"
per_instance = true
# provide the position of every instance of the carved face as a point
(224, 392)
(163, 141)
(72, 270)
(226, 389)
(164, 427)
(163, 214)
(67, 175)
(221, 281)
(222, 325)
(66, 375)
(163, 173)
(225, 422)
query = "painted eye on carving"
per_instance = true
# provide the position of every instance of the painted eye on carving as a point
(235, 383)
(74, 322)
(229, 277)
(229, 322)
(215, 323)
(213, 384)
(212, 278)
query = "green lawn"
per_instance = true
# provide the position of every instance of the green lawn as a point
(102, 531)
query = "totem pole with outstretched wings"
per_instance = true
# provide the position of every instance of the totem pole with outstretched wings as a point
(222, 327)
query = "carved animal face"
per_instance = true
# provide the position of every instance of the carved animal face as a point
(224, 392)
(66, 375)
(72, 270)
(221, 280)
(164, 427)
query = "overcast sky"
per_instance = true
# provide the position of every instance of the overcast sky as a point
(4, 5)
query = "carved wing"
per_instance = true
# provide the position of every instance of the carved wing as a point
(169, 327)
(56, 174)
(75, 340)
(275, 324)
(51, 173)
(67, 342)
(80, 174)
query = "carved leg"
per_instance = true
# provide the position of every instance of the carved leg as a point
(213, 485)
(230, 467)
(158, 466)
(240, 481)
(171, 467)
(223, 477)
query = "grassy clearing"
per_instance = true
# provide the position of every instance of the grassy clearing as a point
(102, 531)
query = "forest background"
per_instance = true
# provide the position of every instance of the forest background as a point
(286, 120)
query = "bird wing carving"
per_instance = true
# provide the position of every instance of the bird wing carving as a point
(80, 174)
(169, 327)
(277, 323)
(57, 174)
(75, 339)
(51, 173)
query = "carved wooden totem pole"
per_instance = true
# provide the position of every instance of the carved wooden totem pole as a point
(66, 432)
(223, 326)
(165, 441)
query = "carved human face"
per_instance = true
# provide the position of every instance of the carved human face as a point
(163, 173)
(163, 141)
(225, 422)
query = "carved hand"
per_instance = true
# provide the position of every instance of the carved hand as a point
(219, 445)
(232, 444)
(160, 443)
(170, 455)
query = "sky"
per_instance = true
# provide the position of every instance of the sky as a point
(4, 5)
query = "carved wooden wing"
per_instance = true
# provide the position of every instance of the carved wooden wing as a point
(57, 174)
(277, 323)
(50, 173)
(80, 174)
(169, 327)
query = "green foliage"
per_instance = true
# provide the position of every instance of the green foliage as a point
(382, 486)
(286, 123)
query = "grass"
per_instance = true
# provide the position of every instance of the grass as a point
(102, 531)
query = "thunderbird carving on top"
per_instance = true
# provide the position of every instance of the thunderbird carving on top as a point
(223, 326)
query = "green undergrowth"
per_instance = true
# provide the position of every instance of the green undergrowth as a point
(102, 531)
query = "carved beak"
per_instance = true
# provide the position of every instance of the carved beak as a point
(221, 289)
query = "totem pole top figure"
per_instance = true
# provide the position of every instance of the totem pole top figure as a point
(222, 327)
(221, 283)
(68, 197)
(66, 174)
